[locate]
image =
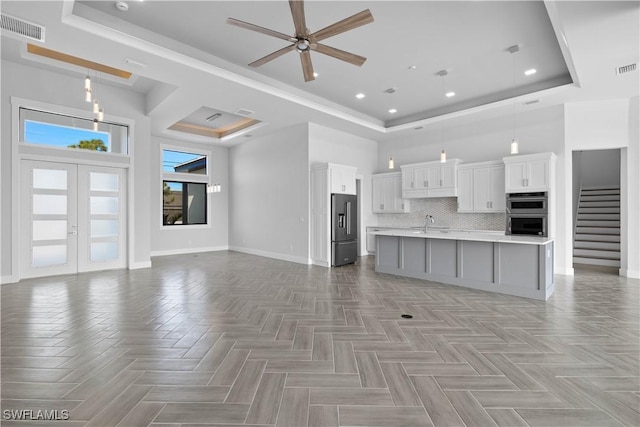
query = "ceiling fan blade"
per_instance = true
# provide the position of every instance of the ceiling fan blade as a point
(307, 67)
(354, 21)
(272, 56)
(260, 30)
(351, 58)
(297, 11)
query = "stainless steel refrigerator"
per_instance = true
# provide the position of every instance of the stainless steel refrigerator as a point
(344, 229)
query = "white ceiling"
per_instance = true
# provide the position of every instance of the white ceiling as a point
(195, 59)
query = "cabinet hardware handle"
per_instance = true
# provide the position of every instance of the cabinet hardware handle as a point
(440, 183)
(411, 184)
(382, 206)
(402, 205)
(487, 204)
(426, 183)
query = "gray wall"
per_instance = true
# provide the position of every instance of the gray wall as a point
(599, 168)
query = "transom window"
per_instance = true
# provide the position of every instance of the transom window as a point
(68, 132)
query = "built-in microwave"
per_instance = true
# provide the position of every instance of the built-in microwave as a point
(527, 203)
(527, 224)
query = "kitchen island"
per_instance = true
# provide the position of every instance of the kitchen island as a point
(489, 261)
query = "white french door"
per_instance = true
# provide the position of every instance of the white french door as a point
(73, 218)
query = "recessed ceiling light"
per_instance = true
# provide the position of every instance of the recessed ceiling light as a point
(412, 67)
(122, 6)
(418, 127)
(450, 94)
(393, 111)
(529, 72)
(360, 95)
(390, 90)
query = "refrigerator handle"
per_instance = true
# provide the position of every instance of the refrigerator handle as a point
(348, 218)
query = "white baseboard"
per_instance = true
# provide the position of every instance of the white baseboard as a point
(631, 274)
(321, 263)
(8, 279)
(565, 271)
(184, 251)
(268, 254)
(139, 265)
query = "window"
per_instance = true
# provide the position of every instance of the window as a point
(185, 176)
(62, 131)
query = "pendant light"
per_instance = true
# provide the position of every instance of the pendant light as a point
(391, 164)
(443, 156)
(443, 153)
(95, 125)
(514, 141)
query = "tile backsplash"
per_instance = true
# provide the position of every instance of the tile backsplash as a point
(444, 211)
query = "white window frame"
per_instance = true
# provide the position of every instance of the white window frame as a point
(185, 177)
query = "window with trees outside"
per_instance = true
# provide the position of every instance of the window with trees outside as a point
(68, 132)
(184, 188)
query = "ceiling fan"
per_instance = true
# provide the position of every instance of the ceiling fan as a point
(304, 42)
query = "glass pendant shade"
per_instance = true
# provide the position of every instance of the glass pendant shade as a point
(443, 156)
(87, 95)
(95, 124)
(391, 164)
(87, 83)
(101, 114)
(514, 146)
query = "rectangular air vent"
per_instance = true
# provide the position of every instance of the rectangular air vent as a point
(22, 28)
(627, 68)
(244, 112)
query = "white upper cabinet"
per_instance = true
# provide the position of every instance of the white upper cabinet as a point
(431, 179)
(529, 173)
(343, 179)
(481, 187)
(387, 193)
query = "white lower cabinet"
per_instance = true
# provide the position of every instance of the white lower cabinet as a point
(481, 187)
(387, 193)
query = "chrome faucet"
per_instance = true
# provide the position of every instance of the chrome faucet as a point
(428, 219)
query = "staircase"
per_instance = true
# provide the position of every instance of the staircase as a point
(597, 236)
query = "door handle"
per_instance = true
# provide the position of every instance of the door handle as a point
(72, 233)
(348, 217)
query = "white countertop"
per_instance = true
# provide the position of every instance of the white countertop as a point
(475, 235)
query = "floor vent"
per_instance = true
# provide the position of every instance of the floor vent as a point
(627, 68)
(22, 28)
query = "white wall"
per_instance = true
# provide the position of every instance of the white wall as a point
(269, 195)
(606, 125)
(214, 236)
(60, 89)
(333, 146)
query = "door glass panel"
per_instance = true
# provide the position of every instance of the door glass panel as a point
(49, 204)
(103, 205)
(49, 230)
(50, 179)
(104, 227)
(104, 251)
(44, 256)
(103, 182)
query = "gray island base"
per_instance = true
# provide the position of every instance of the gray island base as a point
(513, 265)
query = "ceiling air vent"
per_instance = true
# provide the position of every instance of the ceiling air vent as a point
(22, 28)
(627, 68)
(244, 112)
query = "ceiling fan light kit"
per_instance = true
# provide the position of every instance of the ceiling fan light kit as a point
(304, 42)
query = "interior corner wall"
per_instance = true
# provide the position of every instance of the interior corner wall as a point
(176, 239)
(630, 183)
(269, 195)
(333, 146)
(54, 88)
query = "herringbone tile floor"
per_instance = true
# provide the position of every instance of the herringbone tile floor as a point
(226, 338)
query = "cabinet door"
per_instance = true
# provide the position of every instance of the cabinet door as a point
(481, 191)
(343, 180)
(465, 190)
(496, 187)
(399, 204)
(432, 177)
(538, 174)
(447, 176)
(349, 181)
(337, 185)
(377, 195)
(408, 179)
(514, 176)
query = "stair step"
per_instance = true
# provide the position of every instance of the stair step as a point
(585, 237)
(599, 216)
(597, 230)
(598, 204)
(597, 198)
(598, 210)
(596, 223)
(596, 261)
(601, 191)
(594, 253)
(605, 246)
